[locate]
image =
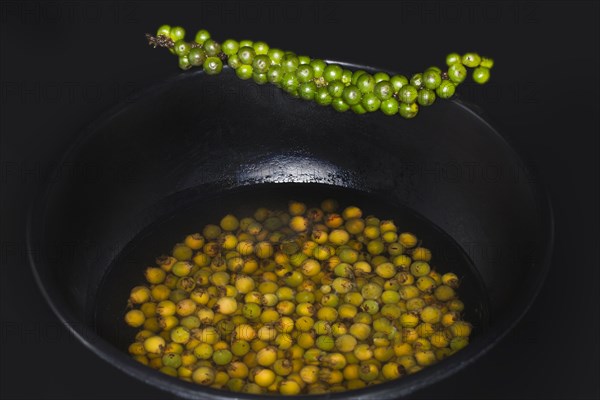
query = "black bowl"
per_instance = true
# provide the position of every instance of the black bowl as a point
(196, 136)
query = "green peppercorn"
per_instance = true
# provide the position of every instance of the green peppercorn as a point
(417, 80)
(307, 90)
(244, 71)
(211, 47)
(471, 60)
(261, 64)
(304, 73)
(351, 95)
(389, 106)
(184, 63)
(336, 88)
(322, 97)
(383, 90)
(445, 90)
(432, 79)
(196, 56)
(202, 36)
(332, 72)
(318, 67)
(371, 102)
(260, 79)
(246, 55)
(213, 65)
(290, 62)
(457, 73)
(453, 58)
(177, 33)
(481, 75)
(408, 110)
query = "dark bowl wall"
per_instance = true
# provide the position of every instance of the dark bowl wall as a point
(203, 134)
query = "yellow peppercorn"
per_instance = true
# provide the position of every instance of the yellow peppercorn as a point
(244, 284)
(407, 362)
(180, 335)
(363, 352)
(431, 314)
(266, 356)
(245, 247)
(137, 349)
(460, 329)
(450, 279)
(419, 268)
(345, 343)
(142, 359)
(425, 284)
(229, 223)
(459, 342)
(263, 249)
(186, 307)
(407, 240)
(347, 311)
(421, 254)
(329, 314)
(305, 340)
(195, 241)
(296, 208)
(139, 295)
(182, 252)
(226, 305)
(408, 292)
(352, 212)
(204, 375)
(263, 377)
(456, 305)
(155, 275)
(135, 318)
(166, 308)
(439, 339)
(402, 261)
(299, 223)
(408, 320)
(143, 335)
(334, 220)
(310, 267)
(444, 293)
(289, 387)
(391, 370)
(368, 372)
(309, 374)
(425, 330)
(283, 341)
(403, 349)
(421, 344)
(425, 358)
(334, 360)
(154, 344)
(330, 376)
(182, 268)
(386, 270)
(228, 241)
(354, 226)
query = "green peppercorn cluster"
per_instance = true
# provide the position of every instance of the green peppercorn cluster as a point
(301, 301)
(322, 82)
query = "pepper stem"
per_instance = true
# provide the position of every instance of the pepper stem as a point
(160, 41)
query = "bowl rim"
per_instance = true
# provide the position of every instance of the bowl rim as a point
(390, 389)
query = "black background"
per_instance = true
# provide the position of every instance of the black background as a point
(63, 63)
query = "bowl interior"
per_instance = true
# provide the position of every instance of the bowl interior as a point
(182, 152)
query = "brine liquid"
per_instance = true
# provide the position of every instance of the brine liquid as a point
(127, 270)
